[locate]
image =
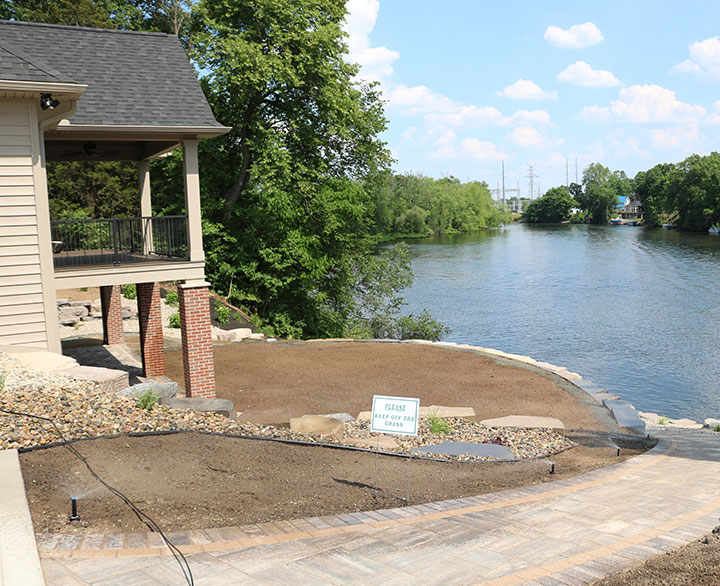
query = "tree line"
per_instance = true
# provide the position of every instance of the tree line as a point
(686, 194)
(298, 195)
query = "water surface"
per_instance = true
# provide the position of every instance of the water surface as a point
(634, 309)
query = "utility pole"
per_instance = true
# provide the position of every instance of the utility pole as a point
(531, 178)
(503, 179)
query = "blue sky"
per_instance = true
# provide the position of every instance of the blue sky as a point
(471, 83)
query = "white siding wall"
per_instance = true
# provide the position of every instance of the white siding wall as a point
(22, 310)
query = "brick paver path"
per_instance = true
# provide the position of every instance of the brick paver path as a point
(567, 532)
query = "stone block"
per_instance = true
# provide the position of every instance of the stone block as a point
(277, 417)
(625, 415)
(106, 379)
(242, 333)
(128, 313)
(318, 425)
(68, 312)
(164, 391)
(344, 417)
(531, 421)
(86, 304)
(444, 411)
(222, 406)
(62, 301)
(712, 422)
(223, 335)
(382, 442)
(41, 360)
(256, 336)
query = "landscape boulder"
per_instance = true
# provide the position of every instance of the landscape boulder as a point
(222, 406)
(712, 423)
(164, 391)
(318, 425)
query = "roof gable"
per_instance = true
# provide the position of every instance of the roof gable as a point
(133, 78)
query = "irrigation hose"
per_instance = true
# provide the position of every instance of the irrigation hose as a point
(145, 518)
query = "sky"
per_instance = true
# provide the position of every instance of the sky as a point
(470, 84)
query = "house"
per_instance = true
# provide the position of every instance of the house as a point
(81, 94)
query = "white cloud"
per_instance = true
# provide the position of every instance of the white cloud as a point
(375, 62)
(704, 59)
(595, 114)
(529, 117)
(470, 116)
(679, 137)
(524, 89)
(575, 37)
(580, 73)
(529, 137)
(469, 148)
(417, 100)
(652, 103)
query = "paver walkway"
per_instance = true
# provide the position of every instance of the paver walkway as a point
(567, 532)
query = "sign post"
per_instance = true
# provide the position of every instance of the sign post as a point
(393, 415)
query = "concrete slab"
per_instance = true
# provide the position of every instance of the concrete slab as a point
(39, 359)
(19, 559)
(472, 449)
(526, 421)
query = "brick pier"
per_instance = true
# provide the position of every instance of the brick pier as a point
(198, 365)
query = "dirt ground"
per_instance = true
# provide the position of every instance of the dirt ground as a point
(192, 480)
(696, 564)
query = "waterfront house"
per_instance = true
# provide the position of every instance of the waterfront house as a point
(80, 94)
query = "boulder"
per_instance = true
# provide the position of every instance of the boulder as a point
(106, 379)
(526, 421)
(277, 417)
(71, 314)
(242, 333)
(256, 336)
(318, 425)
(221, 406)
(712, 423)
(164, 391)
(344, 417)
(62, 301)
(223, 335)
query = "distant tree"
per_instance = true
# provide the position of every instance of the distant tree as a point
(651, 188)
(67, 12)
(599, 197)
(553, 207)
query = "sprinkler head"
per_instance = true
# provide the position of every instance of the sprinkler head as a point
(73, 505)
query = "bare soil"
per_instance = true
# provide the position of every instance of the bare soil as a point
(194, 481)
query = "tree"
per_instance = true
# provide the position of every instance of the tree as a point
(553, 207)
(68, 12)
(599, 197)
(651, 188)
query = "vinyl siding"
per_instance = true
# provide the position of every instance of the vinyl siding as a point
(22, 314)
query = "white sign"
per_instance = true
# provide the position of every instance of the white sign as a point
(394, 415)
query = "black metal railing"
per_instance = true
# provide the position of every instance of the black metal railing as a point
(119, 241)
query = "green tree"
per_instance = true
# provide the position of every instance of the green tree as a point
(651, 188)
(553, 207)
(599, 197)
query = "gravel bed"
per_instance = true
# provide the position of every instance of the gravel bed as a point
(81, 411)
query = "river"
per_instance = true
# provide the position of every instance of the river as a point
(636, 310)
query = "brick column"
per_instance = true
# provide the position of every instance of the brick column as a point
(151, 333)
(196, 341)
(111, 304)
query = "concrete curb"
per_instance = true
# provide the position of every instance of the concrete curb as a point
(19, 559)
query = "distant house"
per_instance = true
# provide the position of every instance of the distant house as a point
(631, 210)
(80, 94)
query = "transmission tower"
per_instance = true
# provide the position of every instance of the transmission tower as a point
(531, 176)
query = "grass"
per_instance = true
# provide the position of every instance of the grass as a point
(662, 420)
(438, 425)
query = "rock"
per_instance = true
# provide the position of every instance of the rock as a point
(344, 417)
(442, 411)
(67, 312)
(364, 415)
(164, 391)
(256, 336)
(242, 333)
(106, 379)
(318, 425)
(62, 301)
(381, 442)
(530, 421)
(712, 423)
(42, 360)
(277, 417)
(127, 313)
(85, 304)
(221, 406)
(224, 336)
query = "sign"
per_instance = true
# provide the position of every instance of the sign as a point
(394, 415)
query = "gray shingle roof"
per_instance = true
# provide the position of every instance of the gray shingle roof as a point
(133, 78)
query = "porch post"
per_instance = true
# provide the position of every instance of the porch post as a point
(143, 168)
(198, 363)
(112, 318)
(151, 332)
(192, 200)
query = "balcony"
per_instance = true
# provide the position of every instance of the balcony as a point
(114, 242)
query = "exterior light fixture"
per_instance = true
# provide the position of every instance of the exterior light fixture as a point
(74, 514)
(47, 102)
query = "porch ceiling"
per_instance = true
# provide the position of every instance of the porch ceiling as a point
(99, 149)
